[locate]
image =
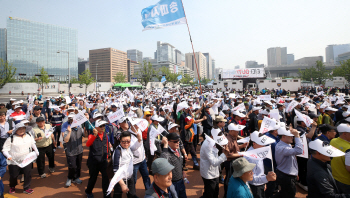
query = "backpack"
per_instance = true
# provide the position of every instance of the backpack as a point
(12, 136)
(10, 124)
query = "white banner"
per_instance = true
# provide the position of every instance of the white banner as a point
(306, 119)
(291, 106)
(78, 120)
(265, 97)
(267, 125)
(275, 114)
(27, 160)
(115, 116)
(243, 73)
(259, 154)
(305, 147)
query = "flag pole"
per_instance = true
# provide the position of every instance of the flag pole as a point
(189, 33)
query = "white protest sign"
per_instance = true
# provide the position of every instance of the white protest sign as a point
(112, 117)
(127, 91)
(305, 147)
(324, 105)
(306, 119)
(267, 125)
(68, 100)
(275, 114)
(78, 120)
(27, 160)
(232, 95)
(259, 154)
(291, 106)
(265, 97)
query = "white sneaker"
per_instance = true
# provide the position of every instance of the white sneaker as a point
(59, 147)
(43, 175)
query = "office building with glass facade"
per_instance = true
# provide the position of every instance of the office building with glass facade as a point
(34, 45)
(3, 45)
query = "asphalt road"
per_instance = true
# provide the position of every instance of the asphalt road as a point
(54, 184)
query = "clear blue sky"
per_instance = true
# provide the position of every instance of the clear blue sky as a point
(233, 31)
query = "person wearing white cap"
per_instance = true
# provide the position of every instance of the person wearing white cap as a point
(287, 166)
(97, 160)
(327, 116)
(257, 185)
(16, 148)
(341, 165)
(319, 176)
(210, 163)
(253, 122)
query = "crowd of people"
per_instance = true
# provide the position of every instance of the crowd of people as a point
(255, 144)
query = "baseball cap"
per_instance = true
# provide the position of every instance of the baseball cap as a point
(330, 109)
(18, 106)
(312, 115)
(284, 131)
(172, 125)
(157, 118)
(123, 119)
(161, 166)
(237, 113)
(96, 115)
(220, 139)
(12, 99)
(261, 139)
(264, 112)
(147, 113)
(256, 108)
(343, 128)
(326, 127)
(173, 136)
(71, 115)
(37, 108)
(346, 113)
(188, 118)
(70, 108)
(40, 119)
(325, 149)
(235, 127)
(99, 123)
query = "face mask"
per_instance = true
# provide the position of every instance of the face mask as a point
(70, 121)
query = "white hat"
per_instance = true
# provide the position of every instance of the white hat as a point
(157, 118)
(71, 115)
(121, 120)
(264, 112)
(98, 123)
(147, 109)
(215, 132)
(346, 113)
(343, 128)
(325, 149)
(97, 115)
(237, 113)
(330, 109)
(12, 99)
(256, 108)
(221, 140)
(134, 108)
(70, 108)
(235, 127)
(268, 102)
(17, 126)
(21, 101)
(283, 131)
(261, 139)
(25, 121)
(172, 125)
(18, 106)
(62, 105)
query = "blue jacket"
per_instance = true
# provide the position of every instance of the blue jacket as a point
(237, 188)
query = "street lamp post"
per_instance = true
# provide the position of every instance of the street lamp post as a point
(96, 76)
(37, 68)
(68, 70)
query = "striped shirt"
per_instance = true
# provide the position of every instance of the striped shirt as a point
(56, 119)
(177, 162)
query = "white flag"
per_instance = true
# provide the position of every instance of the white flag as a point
(210, 140)
(117, 177)
(143, 124)
(222, 114)
(112, 117)
(27, 160)
(49, 131)
(160, 129)
(291, 106)
(127, 91)
(275, 114)
(244, 140)
(259, 154)
(306, 119)
(68, 100)
(239, 107)
(182, 105)
(154, 132)
(305, 100)
(78, 120)
(265, 97)
(305, 147)
(225, 107)
(324, 105)
(267, 125)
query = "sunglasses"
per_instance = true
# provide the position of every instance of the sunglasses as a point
(125, 142)
(148, 115)
(102, 126)
(175, 142)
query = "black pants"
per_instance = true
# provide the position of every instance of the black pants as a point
(229, 172)
(14, 172)
(150, 159)
(258, 191)
(211, 188)
(287, 183)
(118, 193)
(302, 170)
(74, 166)
(190, 149)
(57, 134)
(94, 169)
(40, 161)
(271, 185)
(2, 142)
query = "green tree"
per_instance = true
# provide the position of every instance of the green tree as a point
(187, 79)
(343, 70)
(7, 71)
(145, 74)
(318, 73)
(74, 80)
(43, 79)
(170, 77)
(204, 81)
(86, 79)
(119, 77)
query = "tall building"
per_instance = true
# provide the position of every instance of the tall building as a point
(343, 57)
(252, 64)
(209, 65)
(106, 63)
(135, 55)
(332, 52)
(32, 45)
(82, 66)
(178, 57)
(201, 63)
(277, 56)
(290, 59)
(3, 44)
(218, 71)
(165, 53)
(309, 61)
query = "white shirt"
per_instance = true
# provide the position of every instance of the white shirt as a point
(210, 161)
(139, 154)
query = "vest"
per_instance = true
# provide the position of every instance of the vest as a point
(338, 163)
(98, 150)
